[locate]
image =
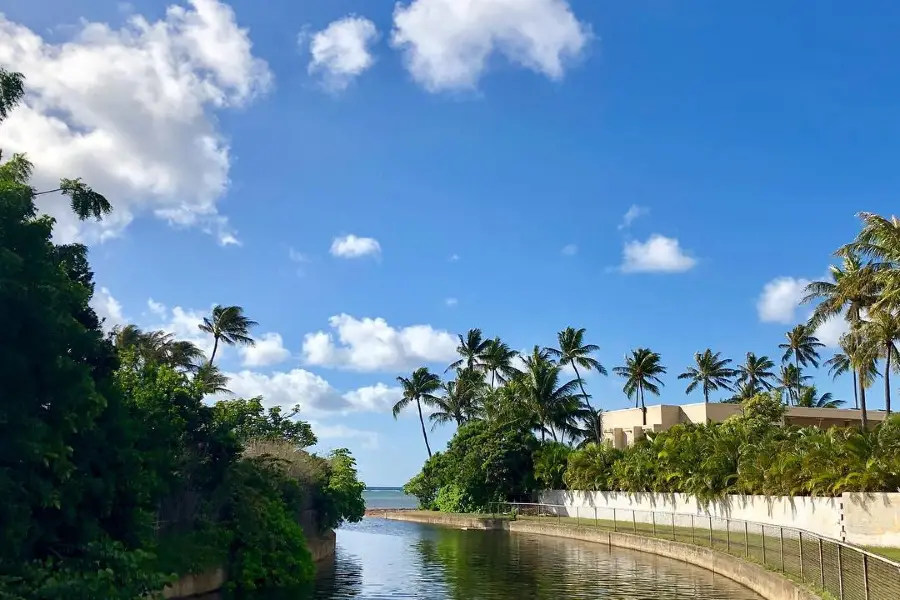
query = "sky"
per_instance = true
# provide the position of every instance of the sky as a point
(369, 179)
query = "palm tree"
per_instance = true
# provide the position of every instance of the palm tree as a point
(461, 398)
(183, 355)
(883, 328)
(228, 325)
(418, 388)
(756, 373)
(880, 240)
(573, 351)
(641, 372)
(809, 398)
(852, 289)
(837, 366)
(472, 349)
(12, 89)
(498, 359)
(711, 371)
(211, 380)
(742, 391)
(790, 379)
(555, 405)
(863, 356)
(803, 346)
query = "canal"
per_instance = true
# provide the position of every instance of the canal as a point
(379, 559)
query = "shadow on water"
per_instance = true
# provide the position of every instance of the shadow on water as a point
(379, 559)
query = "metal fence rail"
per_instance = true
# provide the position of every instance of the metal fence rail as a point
(843, 570)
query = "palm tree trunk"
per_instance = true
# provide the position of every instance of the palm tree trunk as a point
(887, 381)
(212, 356)
(597, 433)
(855, 392)
(493, 374)
(422, 422)
(643, 406)
(705, 395)
(862, 401)
(799, 378)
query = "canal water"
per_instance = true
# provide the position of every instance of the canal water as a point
(380, 559)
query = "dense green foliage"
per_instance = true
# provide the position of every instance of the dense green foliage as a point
(115, 474)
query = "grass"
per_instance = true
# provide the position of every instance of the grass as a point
(891, 553)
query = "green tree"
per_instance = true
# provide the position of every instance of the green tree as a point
(418, 388)
(879, 239)
(642, 370)
(498, 360)
(711, 372)
(471, 349)
(228, 325)
(809, 398)
(802, 345)
(573, 351)
(852, 289)
(790, 379)
(863, 355)
(249, 420)
(556, 404)
(838, 365)
(883, 329)
(460, 398)
(757, 373)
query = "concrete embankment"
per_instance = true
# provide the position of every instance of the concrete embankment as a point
(767, 584)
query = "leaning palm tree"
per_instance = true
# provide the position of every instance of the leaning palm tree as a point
(228, 325)
(883, 329)
(498, 360)
(573, 351)
(418, 388)
(471, 350)
(756, 373)
(710, 371)
(863, 355)
(809, 398)
(641, 372)
(802, 345)
(184, 355)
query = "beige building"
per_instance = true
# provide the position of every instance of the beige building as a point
(622, 427)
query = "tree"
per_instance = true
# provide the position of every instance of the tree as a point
(498, 360)
(228, 325)
(459, 401)
(12, 89)
(803, 347)
(642, 372)
(790, 379)
(809, 398)
(879, 239)
(757, 373)
(863, 356)
(471, 349)
(555, 404)
(211, 380)
(883, 329)
(418, 388)
(852, 289)
(711, 371)
(573, 351)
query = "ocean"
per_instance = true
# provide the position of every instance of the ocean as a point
(387, 497)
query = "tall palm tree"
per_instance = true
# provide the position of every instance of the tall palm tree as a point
(756, 373)
(211, 380)
(710, 371)
(809, 398)
(837, 366)
(184, 355)
(573, 351)
(852, 289)
(461, 399)
(419, 387)
(555, 404)
(498, 360)
(879, 239)
(802, 345)
(790, 380)
(471, 350)
(883, 329)
(641, 372)
(863, 355)
(228, 325)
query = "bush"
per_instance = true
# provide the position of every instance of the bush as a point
(550, 461)
(591, 467)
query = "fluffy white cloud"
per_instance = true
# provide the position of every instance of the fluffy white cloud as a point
(157, 308)
(325, 432)
(659, 254)
(377, 398)
(131, 111)
(373, 345)
(269, 350)
(340, 52)
(447, 43)
(780, 299)
(633, 212)
(830, 332)
(570, 250)
(351, 246)
(107, 308)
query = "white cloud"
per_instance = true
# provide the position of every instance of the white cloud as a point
(447, 43)
(570, 250)
(107, 308)
(373, 345)
(340, 52)
(633, 213)
(157, 308)
(451, 302)
(351, 246)
(377, 398)
(658, 254)
(830, 332)
(269, 350)
(324, 431)
(131, 110)
(780, 299)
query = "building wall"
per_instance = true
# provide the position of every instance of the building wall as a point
(864, 519)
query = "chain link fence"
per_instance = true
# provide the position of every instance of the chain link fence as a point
(844, 571)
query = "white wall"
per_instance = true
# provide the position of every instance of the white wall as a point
(872, 519)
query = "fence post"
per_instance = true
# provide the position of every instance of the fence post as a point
(801, 557)
(673, 528)
(728, 535)
(821, 563)
(865, 577)
(577, 515)
(634, 520)
(653, 516)
(710, 532)
(746, 540)
(840, 574)
(596, 522)
(781, 546)
(762, 529)
(693, 541)
(615, 523)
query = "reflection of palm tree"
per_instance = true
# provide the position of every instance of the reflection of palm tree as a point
(418, 388)
(710, 371)
(641, 372)
(803, 347)
(228, 325)
(573, 351)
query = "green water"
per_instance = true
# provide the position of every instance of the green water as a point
(380, 559)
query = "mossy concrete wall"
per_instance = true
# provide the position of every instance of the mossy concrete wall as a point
(196, 585)
(447, 519)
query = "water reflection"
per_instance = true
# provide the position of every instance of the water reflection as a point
(379, 559)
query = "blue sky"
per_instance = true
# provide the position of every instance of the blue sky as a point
(483, 159)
